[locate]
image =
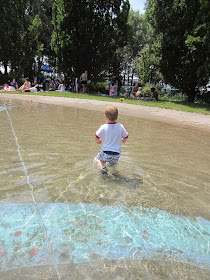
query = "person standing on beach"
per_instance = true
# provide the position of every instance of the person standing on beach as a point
(84, 80)
(118, 84)
(154, 94)
(76, 85)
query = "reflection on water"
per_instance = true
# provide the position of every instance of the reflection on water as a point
(91, 232)
(162, 167)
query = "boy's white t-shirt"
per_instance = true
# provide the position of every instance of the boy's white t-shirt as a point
(112, 134)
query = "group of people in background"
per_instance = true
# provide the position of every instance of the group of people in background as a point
(137, 93)
(35, 87)
(112, 88)
(14, 86)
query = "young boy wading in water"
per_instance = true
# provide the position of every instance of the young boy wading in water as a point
(113, 134)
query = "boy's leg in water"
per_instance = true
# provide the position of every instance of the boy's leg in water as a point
(113, 169)
(101, 166)
(104, 170)
(114, 161)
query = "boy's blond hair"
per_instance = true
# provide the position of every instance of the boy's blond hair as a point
(111, 112)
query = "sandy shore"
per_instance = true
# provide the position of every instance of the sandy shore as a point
(194, 120)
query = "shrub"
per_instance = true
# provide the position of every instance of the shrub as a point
(122, 90)
(147, 89)
(98, 87)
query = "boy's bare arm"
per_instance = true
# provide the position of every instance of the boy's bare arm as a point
(98, 140)
(124, 139)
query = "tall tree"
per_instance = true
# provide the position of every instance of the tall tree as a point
(140, 35)
(26, 27)
(87, 34)
(32, 46)
(184, 27)
(43, 8)
(12, 31)
(39, 31)
(148, 63)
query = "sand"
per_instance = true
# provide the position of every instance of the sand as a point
(187, 119)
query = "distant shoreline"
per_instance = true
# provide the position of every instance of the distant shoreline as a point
(169, 116)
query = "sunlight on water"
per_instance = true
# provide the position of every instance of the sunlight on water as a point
(47, 154)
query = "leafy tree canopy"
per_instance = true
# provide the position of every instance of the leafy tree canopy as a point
(147, 64)
(183, 26)
(12, 25)
(87, 34)
(138, 36)
(26, 32)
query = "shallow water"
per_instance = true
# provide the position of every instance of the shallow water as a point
(161, 184)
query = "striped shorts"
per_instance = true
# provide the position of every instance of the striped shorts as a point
(110, 157)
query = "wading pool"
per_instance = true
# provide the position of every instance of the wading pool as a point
(62, 219)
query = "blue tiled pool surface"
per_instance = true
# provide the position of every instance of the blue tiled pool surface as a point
(81, 233)
(2, 108)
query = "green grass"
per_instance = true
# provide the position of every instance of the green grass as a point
(167, 104)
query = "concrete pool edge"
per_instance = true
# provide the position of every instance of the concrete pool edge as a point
(168, 116)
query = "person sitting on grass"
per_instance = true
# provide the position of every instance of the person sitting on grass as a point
(26, 86)
(12, 87)
(35, 87)
(134, 90)
(62, 87)
(126, 94)
(52, 86)
(139, 94)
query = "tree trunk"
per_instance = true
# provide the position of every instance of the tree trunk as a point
(5, 67)
(39, 67)
(191, 98)
(191, 93)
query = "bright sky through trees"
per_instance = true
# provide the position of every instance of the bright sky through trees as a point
(137, 5)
